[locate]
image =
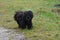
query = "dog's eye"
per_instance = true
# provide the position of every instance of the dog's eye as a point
(28, 18)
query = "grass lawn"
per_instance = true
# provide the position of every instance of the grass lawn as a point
(45, 22)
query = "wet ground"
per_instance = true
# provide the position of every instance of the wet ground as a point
(9, 34)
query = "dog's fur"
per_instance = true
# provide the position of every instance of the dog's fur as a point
(24, 19)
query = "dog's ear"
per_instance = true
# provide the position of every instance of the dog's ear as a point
(30, 13)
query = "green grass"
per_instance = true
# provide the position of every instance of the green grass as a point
(45, 22)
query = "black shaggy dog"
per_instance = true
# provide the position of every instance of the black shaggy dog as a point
(24, 19)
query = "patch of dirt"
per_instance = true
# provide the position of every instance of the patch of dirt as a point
(9, 34)
(56, 10)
